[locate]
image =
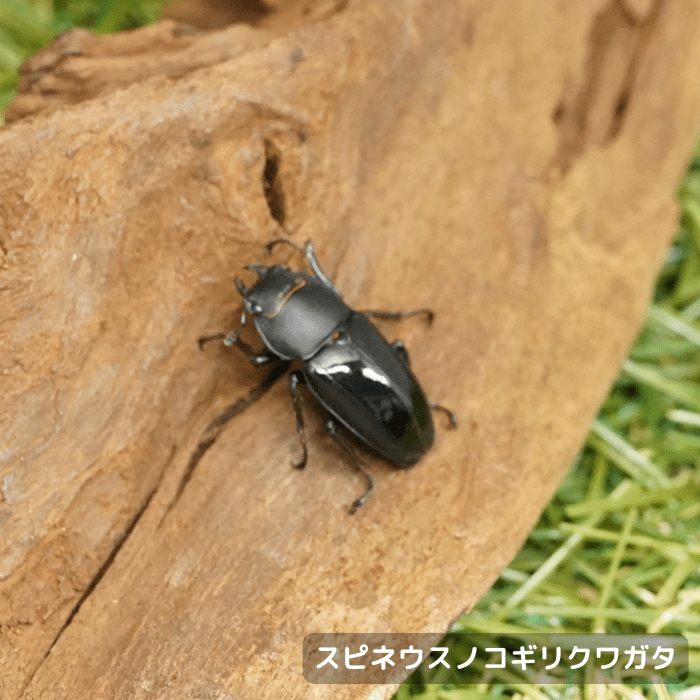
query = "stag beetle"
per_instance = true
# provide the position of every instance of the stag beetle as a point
(365, 384)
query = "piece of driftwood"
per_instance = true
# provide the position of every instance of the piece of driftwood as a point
(510, 165)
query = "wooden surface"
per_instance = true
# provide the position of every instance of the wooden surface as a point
(510, 165)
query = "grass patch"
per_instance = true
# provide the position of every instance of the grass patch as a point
(26, 26)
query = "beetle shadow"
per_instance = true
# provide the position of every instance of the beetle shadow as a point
(216, 426)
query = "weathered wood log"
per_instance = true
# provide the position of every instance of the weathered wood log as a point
(510, 165)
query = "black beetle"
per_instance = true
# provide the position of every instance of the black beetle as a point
(363, 382)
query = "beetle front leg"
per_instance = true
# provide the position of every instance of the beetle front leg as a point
(296, 378)
(399, 315)
(253, 357)
(313, 261)
(332, 430)
(207, 338)
(232, 339)
(310, 255)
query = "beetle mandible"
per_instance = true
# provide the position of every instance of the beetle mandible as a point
(364, 383)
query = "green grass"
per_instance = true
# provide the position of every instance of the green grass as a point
(26, 26)
(618, 549)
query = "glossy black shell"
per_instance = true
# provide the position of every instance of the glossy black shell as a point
(362, 381)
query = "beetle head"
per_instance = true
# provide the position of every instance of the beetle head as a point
(271, 292)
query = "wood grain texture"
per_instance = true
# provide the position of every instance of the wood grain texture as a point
(510, 165)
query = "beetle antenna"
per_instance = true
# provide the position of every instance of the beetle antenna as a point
(272, 244)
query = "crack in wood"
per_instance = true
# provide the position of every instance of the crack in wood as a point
(593, 113)
(272, 184)
(104, 568)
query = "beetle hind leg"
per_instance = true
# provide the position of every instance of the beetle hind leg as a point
(296, 378)
(332, 430)
(450, 416)
(400, 349)
(401, 352)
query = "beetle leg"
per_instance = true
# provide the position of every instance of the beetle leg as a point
(332, 430)
(400, 349)
(253, 357)
(451, 416)
(232, 338)
(203, 341)
(229, 337)
(398, 315)
(310, 255)
(296, 378)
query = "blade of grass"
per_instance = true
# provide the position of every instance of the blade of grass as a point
(687, 393)
(599, 622)
(674, 322)
(557, 557)
(621, 453)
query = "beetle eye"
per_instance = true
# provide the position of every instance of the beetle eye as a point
(256, 309)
